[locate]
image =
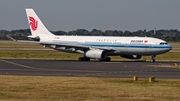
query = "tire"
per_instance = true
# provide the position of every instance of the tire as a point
(83, 59)
(152, 60)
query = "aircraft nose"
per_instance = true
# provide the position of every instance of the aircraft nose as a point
(169, 47)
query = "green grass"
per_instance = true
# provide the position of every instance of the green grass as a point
(47, 88)
(38, 54)
(176, 46)
(12, 44)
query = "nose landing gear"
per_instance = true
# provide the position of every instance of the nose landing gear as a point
(153, 58)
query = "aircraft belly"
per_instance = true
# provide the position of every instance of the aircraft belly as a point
(141, 51)
(135, 51)
(146, 51)
(156, 51)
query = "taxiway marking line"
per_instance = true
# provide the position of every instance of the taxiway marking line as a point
(17, 64)
(121, 72)
(29, 67)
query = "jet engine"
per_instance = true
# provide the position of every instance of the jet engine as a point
(96, 54)
(131, 56)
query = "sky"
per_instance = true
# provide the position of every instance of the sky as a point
(69, 15)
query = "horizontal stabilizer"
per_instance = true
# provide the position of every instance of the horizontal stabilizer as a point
(11, 38)
(21, 40)
(33, 37)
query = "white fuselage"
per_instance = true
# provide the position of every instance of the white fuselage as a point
(118, 45)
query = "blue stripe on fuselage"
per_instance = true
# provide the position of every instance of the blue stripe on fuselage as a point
(129, 45)
(117, 45)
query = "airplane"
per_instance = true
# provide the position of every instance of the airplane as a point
(96, 47)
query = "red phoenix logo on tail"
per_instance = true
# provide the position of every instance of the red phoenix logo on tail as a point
(33, 23)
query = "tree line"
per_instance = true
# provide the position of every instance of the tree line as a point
(172, 35)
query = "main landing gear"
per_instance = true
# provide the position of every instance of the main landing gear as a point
(153, 58)
(88, 59)
(106, 59)
(83, 59)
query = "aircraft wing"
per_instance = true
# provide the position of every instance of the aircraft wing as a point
(79, 46)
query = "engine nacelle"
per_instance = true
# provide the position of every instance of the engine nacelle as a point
(131, 56)
(96, 54)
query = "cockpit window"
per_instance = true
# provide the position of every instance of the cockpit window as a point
(163, 43)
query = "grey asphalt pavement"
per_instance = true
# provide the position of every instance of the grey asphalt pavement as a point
(114, 69)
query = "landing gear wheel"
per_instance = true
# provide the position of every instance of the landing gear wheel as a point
(106, 59)
(83, 59)
(87, 59)
(152, 58)
(80, 59)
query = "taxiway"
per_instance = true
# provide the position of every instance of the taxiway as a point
(116, 69)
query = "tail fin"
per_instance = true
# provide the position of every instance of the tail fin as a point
(38, 30)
